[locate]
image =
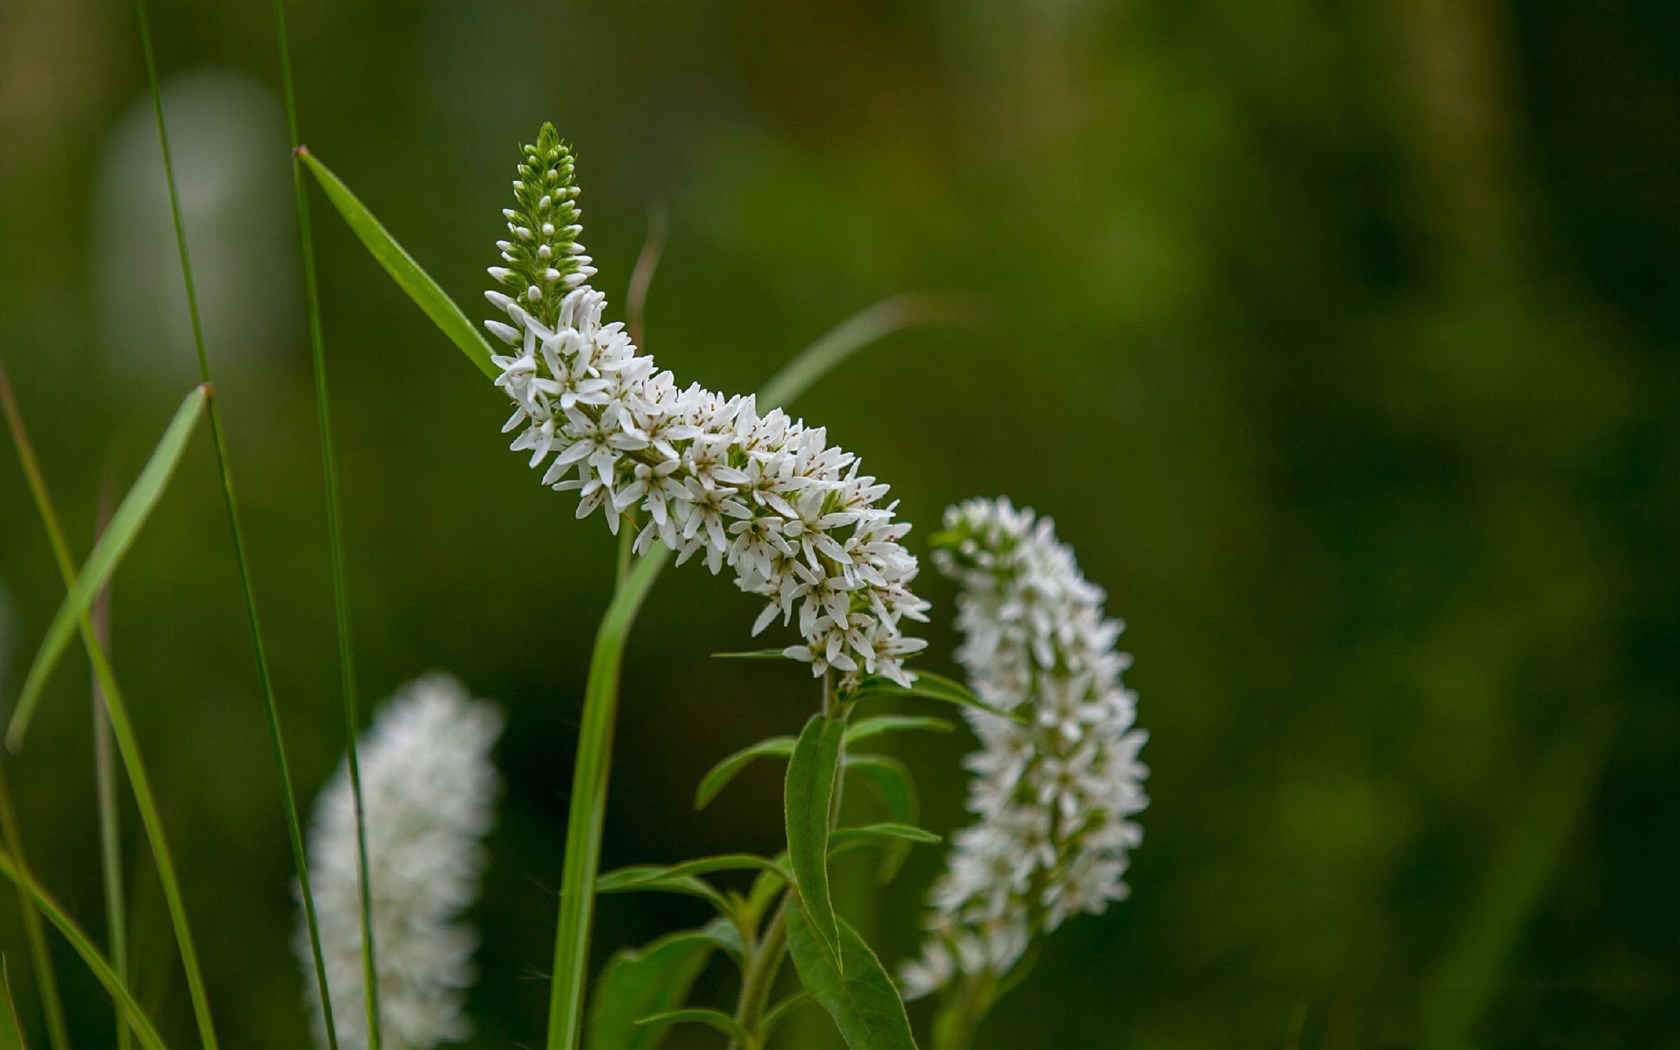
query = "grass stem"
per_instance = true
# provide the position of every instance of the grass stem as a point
(270, 704)
(335, 534)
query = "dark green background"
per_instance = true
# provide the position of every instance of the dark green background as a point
(1338, 339)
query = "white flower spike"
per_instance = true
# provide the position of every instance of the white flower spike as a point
(429, 788)
(1055, 796)
(764, 494)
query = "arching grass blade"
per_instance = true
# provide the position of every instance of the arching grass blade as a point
(107, 554)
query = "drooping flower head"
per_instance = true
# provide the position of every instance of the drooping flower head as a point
(1054, 792)
(794, 518)
(429, 787)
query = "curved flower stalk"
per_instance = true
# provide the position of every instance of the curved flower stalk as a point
(1054, 796)
(428, 785)
(794, 517)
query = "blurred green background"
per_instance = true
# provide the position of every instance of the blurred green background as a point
(1338, 340)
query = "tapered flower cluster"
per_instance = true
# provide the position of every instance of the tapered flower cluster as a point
(793, 517)
(1053, 792)
(428, 786)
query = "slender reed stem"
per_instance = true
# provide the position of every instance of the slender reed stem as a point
(270, 704)
(127, 744)
(105, 782)
(335, 534)
(46, 981)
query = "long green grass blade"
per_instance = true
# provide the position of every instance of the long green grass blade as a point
(1463, 980)
(589, 801)
(11, 1029)
(105, 790)
(402, 267)
(85, 948)
(46, 981)
(107, 554)
(127, 744)
(335, 543)
(868, 325)
(230, 503)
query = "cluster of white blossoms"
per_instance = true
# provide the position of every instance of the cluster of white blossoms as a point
(428, 787)
(1054, 792)
(794, 517)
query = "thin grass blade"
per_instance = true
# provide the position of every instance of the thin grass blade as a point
(335, 551)
(107, 554)
(46, 980)
(11, 1029)
(127, 743)
(105, 791)
(401, 266)
(84, 947)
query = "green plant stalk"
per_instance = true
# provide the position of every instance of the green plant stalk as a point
(335, 534)
(105, 786)
(1457, 989)
(588, 808)
(84, 947)
(759, 979)
(270, 704)
(127, 744)
(958, 1019)
(110, 857)
(759, 976)
(46, 981)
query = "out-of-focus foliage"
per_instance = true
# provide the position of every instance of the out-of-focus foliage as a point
(1340, 344)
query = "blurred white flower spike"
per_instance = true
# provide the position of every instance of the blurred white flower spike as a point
(794, 517)
(1054, 796)
(429, 787)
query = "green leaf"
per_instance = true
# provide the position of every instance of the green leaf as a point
(641, 981)
(650, 878)
(929, 686)
(754, 654)
(809, 797)
(586, 818)
(719, 776)
(871, 727)
(862, 328)
(11, 1032)
(776, 1013)
(714, 1018)
(763, 891)
(877, 832)
(632, 877)
(402, 267)
(107, 553)
(863, 1002)
(892, 781)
